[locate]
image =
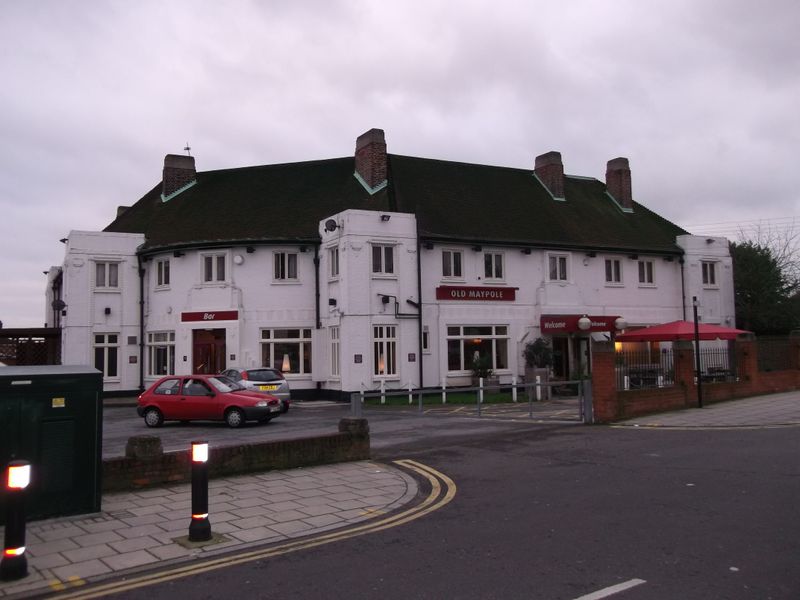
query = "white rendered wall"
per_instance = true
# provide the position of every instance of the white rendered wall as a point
(716, 302)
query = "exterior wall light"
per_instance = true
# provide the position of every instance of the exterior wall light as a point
(584, 323)
(620, 323)
(385, 218)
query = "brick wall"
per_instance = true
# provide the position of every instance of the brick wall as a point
(611, 404)
(125, 473)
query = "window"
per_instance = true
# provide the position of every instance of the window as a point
(384, 346)
(162, 273)
(333, 262)
(467, 344)
(646, 271)
(106, 354)
(451, 264)
(613, 271)
(493, 265)
(709, 273)
(213, 268)
(106, 275)
(288, 350)
(557, 267)
(285, 266)
(196, 387)
(161, 353)
(426, 338)
(382, 259)
(335, 365)
(169, 387)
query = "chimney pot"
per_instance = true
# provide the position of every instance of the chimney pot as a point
(370, 157)
(618, 181)
(550, 170)
(178, 171)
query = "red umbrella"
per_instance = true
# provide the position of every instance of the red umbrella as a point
(679, 330)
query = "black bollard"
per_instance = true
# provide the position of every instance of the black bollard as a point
(14, 563)
(200, 527)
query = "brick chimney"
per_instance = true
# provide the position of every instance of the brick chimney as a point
(618, 181)
(178, 171)
(550, 171)
(371, 158)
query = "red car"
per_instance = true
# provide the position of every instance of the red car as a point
(204, 398)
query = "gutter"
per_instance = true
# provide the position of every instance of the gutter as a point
(141, 322)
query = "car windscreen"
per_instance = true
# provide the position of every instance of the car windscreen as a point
(263, 375)
(224, 384)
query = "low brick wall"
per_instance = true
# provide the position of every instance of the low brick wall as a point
(132, 472)
(611, 404)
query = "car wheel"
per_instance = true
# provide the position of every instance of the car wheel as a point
(153, 417)
(234, 417)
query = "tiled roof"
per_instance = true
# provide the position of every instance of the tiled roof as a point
(452, 201)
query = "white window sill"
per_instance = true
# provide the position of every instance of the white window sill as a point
(107, 290)
(384, 276)
(613, 284)
(286, 282)
(648, 285)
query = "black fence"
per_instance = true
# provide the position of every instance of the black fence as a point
(37, 346)
(656, 368)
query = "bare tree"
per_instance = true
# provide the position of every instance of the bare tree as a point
(783, 242)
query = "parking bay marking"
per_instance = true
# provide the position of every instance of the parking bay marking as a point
(611, 590)
(439, 482)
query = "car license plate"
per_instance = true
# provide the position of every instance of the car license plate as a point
(267, 388)
(274, 408)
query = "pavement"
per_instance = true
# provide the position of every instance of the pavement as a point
(772, 410)
(138, 530)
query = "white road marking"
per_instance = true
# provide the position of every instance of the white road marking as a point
(614, 589)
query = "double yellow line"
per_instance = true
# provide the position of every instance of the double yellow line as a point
(443, 490)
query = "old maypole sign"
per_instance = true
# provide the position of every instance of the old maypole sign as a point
(476, 293)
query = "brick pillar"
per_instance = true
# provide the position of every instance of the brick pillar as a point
(747, 363)
(605, 403)
(683, 360)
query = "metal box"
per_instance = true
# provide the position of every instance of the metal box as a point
(52, 416)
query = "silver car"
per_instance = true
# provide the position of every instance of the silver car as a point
(263, 379)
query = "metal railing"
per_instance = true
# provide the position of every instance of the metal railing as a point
(536, 394)
(644, 369)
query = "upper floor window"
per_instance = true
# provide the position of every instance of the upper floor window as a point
(382, 259)
(451, 263)
(646, 272)
(213, 268)
(493, 265)
(162, 272)
(613, 271)
(106, 275)
(709, 273)
(285, 266)
(557, 267)
(333, 262)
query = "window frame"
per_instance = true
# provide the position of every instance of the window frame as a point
(153, 347)
(495, 258)
(108, 348)
(613, 272)
(282, 266)
(304, 351)
(217, 259)
(162, 273)
(566, 256)
(647, 279)
(452, 257)
(708, 273)
(106, 265)
(386, 249)
(333, 262)
(495, 336)
(334, 337)
(384, 344)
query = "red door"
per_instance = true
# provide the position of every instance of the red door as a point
(208, 354)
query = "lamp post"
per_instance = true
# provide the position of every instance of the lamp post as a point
(697, 354)
(14, 563)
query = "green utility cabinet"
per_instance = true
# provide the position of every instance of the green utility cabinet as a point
(52, 416)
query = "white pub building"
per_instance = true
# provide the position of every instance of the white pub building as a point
(347, 272)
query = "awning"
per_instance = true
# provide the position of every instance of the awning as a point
(679, 330)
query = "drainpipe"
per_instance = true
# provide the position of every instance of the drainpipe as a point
(683, 289)
(419, 310)
(316, 299)
(141, 323)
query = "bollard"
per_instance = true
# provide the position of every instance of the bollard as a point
(538, 388)
(514, 389)
(383, 391)
(200, 527)
(14, 563)
(444, 391)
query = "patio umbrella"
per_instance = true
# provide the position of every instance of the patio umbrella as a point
(679, 330)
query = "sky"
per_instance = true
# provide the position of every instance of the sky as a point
(702, 97)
